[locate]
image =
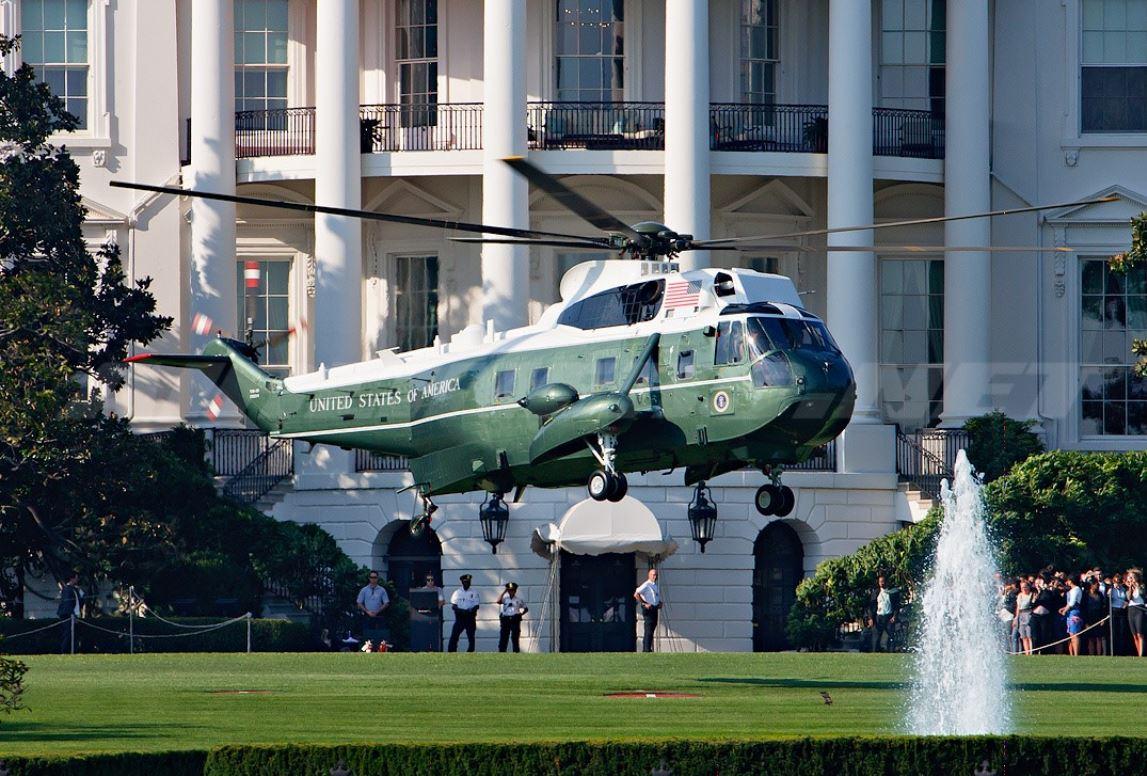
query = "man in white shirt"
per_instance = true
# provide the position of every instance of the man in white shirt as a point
(464, 602)
(510, 611)
(648, 596)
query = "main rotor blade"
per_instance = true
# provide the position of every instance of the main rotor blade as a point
(368, 215)
(911, 222)
(570, 199)
(585, 246)
(887, 249)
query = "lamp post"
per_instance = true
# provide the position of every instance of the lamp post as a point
(702, 515)
(494, 515)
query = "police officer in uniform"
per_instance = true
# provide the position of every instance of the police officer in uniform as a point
(464, 602)
(510, 611)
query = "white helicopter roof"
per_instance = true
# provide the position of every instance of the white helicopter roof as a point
(714, 289)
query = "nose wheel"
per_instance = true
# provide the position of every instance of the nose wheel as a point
(775, 500)
(607, 486)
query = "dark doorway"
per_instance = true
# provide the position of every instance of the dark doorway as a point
(410, 558)
(778, 569)
(597, 606)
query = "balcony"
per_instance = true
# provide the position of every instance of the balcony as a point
(618, 126)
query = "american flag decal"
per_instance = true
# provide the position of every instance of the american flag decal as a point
(682, 293)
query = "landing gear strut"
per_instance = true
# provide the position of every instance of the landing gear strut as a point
(419, 523)
(774, 498)
(606, 484)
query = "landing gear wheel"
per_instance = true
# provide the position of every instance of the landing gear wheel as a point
(787, 501)
(601, 484)
(619, 489)
(767, 499)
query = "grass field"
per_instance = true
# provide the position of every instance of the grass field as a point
(155, 702)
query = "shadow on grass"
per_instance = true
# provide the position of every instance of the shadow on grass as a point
(38, 731)
(827, 684)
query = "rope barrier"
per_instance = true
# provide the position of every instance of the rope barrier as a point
(1061, 641)
(56, 624)
(202, 629)
(143, 606)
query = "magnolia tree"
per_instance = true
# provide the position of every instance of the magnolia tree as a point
(67, 319)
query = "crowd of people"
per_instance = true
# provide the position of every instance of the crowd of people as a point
(1061, 613)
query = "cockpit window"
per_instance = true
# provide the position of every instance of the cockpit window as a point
(730, 347)
(623, 306)
(792, 334)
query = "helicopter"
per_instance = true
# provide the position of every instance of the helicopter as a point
(640, 367)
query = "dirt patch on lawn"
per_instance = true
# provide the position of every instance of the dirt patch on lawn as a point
(650, 694)
(238, 692)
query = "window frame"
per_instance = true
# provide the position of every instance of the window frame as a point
(743, 58)
(428, 116)
(630, 39)
(97, 135)
(599, 366)
(265, 67)
(544, 373)
(936, 102)
(499, 394)
(686, 366)
(265, 258)
(740, 356)
(434, 318)
(934, 369)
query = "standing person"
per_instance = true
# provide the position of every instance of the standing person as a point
(372, 601)
(1041, 614)
(1117, 596)
(510, 611)
(71, 602)
(1094, 610)
(464, 602)
(1073, 612)
(648, 595)
(882, 606)
(1022, 623)
(432, 585)
(1136, 609)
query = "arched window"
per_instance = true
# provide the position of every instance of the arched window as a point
(411, 558)
(779, 568)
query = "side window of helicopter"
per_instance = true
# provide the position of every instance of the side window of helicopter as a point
(730, 347)
(648, 372)
(616, 307)
(504, 383)
(604, 371)
(685, 365)
(539, 377)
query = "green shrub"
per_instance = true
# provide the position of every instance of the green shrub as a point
(266, 636)
(839, 590)
(11, 684)
(998, 443)
(122, 764)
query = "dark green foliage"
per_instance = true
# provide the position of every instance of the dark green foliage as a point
(11, 684)
(998, 443)
(266, 636)
(1016, 756)
(840, 589)
(1071, 510)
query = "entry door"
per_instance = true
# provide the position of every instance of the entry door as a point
(597, 603)
(779, 568)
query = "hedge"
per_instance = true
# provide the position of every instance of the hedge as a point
(266, 636)
(1014, 755)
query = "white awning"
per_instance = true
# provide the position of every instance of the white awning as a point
(597, 527)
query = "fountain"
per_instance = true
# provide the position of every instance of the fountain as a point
(960, 673)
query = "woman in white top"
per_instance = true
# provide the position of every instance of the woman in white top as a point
(1023, 618)
(1136, 609)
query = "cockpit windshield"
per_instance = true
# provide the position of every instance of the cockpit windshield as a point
(790, 334)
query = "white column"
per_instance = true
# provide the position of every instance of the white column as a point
(213, 281)
(687, 123)
(338, 183)
(967, 189)
(852, 302)
(505, 194)
(867, 445)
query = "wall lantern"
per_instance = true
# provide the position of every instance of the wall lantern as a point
(494, 516)
(702, 515)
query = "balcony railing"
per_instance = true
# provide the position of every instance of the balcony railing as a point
(279, 132)
(611, 126)
(366, 461)
(601, 126)
(420, 127)
(823, 459)
(787, 128)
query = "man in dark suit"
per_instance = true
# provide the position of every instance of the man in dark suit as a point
(71, 599)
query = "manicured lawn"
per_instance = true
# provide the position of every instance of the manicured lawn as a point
(154, 702)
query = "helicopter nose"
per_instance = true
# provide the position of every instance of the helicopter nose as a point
(821, 372)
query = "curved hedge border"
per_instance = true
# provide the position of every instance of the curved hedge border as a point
(1014, 755)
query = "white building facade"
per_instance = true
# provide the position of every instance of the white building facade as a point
(718, 117)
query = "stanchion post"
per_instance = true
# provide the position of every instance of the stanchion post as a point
(72, 625)
(131, 619)
(248, 633)
(1110, 626)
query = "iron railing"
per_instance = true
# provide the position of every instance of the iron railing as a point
(274, 465)
(367, 461)
(233, 449)
(608, 126)
(789, 128)
(909, 133)
(919, 467)
(823, 459)
(420, 127)
(944, 443)
(278, 132)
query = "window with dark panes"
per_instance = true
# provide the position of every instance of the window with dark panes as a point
(504, 383)
(54, 41)
(912, 52)
(261, 63)
(912, 341)
(760, 52)
(604, 371)
(684, 364)
(539, 377)
(416, 301)
(1113, 82)
(1113, 312)
(730, 347)
(589, 42)
(416, 56)
(268, 306)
